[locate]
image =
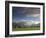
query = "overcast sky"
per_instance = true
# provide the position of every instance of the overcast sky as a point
(25, 13)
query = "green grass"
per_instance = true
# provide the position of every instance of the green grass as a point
(27, 28)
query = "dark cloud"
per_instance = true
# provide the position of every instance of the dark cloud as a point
(32, 11)
(26, 10)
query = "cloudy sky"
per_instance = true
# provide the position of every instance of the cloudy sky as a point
(25, 13)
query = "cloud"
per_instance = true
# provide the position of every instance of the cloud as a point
(28, 22)
(32, 11)
(33, 15)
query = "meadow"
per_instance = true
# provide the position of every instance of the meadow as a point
(26, 28)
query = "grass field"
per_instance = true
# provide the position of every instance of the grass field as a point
(27, 28)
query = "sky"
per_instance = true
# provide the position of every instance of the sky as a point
(25, 13)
